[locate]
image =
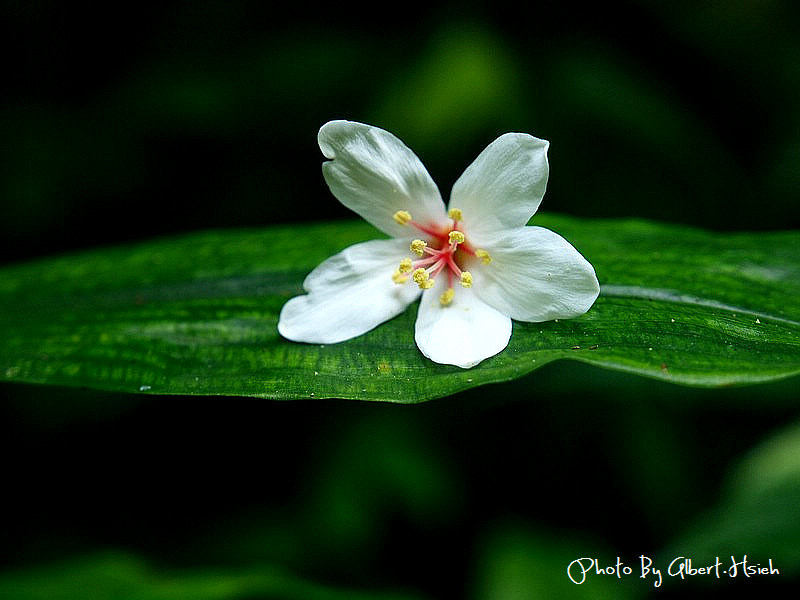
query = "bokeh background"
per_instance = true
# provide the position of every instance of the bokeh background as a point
(126, 121)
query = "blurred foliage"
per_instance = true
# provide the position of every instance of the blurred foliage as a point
(115, 576)
(128, 121)
(469, 496)
(516, 563)
(757, 514)
(203, 114)
(459, 83)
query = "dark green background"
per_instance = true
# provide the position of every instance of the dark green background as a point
(127, 121)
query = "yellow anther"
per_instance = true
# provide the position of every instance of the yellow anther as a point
(422, 279)
(466, 279)
(455, 214)
(456, 237)
(418, 247)
(402, 217)
(420, 276)
(399, 277)
(447, 297)
(483, 255)
(405, 266)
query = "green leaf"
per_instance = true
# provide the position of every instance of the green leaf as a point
(197, 315)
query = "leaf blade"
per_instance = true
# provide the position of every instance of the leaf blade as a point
(197, 314)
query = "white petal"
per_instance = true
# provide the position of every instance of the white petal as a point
(349, 294)
(463, 333)
(374, 174)
(535, 275)
(503, 187)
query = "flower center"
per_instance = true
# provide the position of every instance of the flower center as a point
(441, 254)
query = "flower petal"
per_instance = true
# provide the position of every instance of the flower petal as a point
(374, 174)
(349, 294)
(536, 275)
(503, 187)
(463, 333)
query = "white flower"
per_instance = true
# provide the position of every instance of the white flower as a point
(476, 265)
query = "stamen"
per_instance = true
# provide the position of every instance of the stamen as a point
(443, 257)
(483, 255)
(399, 277)
(418, 247)
(447, 297)
(405, 266)
(402, 217)
(456, 237)
(427, 261)
(422, 279)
